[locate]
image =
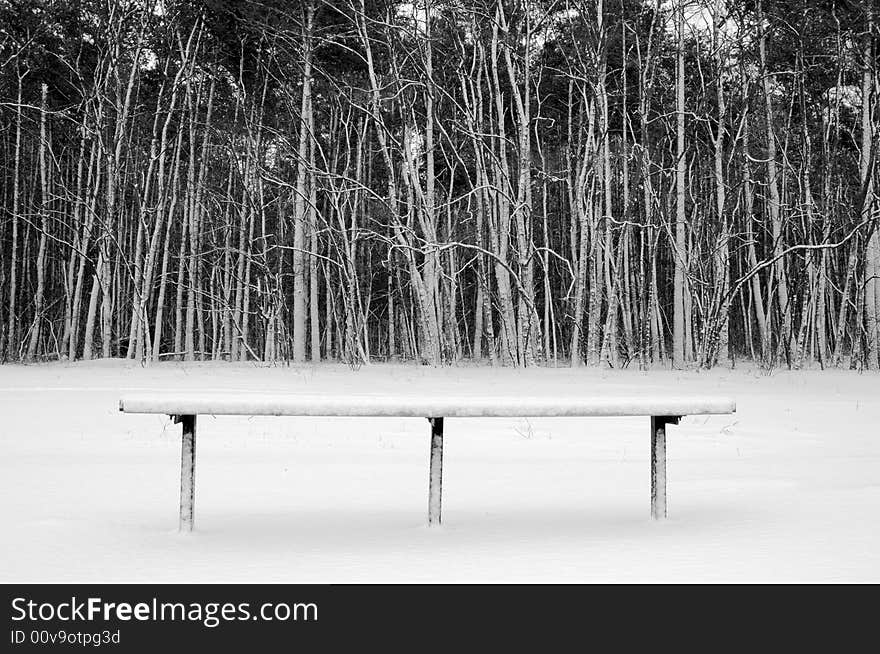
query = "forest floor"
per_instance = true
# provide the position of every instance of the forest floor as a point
(787, 489)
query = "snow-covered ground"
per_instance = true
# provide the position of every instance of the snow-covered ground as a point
(787, 489)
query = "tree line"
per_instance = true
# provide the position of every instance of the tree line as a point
(527, 182)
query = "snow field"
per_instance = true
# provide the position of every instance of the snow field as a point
(786, 489)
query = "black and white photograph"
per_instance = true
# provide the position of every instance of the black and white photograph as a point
(478, 292)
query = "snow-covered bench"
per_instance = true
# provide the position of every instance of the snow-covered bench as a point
(184, 407)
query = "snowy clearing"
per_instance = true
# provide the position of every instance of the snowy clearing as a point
(787, 489)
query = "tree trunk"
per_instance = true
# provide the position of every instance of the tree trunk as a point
(40, 294)
(866, 174)
(12, 321)
(679, 320)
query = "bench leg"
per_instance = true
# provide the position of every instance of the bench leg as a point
(187, 471)
(435, 482)
(658, 464)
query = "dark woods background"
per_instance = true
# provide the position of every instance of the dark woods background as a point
(521, 181)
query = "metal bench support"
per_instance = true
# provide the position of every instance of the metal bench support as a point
(658, 464)
(435, 481)
(187, 471)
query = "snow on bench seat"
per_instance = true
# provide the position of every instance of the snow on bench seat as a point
(422, 406)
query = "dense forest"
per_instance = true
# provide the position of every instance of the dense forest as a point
(524, 182)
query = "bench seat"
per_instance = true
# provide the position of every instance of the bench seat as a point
(418, 406)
